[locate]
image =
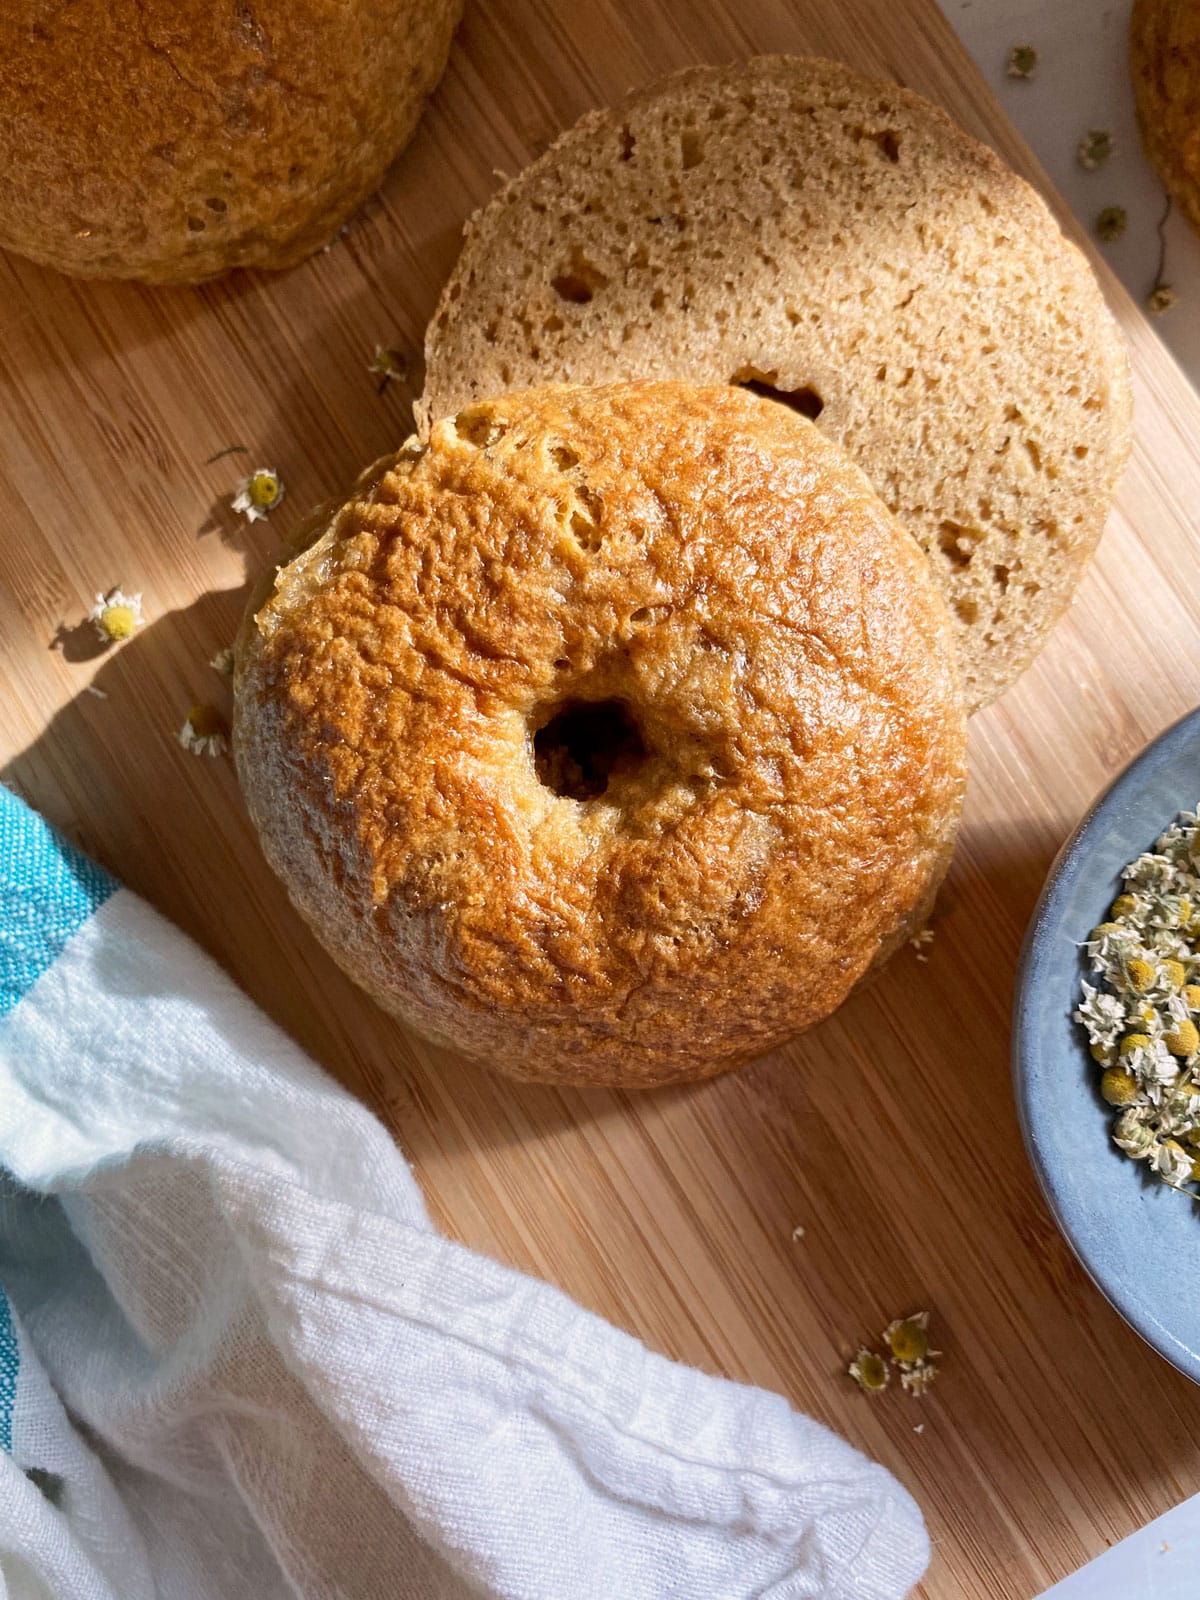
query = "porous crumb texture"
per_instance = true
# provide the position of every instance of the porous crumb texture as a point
(1164, 58)
(170, 140)
(610, 735)
(843, 245)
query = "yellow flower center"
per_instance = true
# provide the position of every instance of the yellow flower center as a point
(264, 490)
(205, 721)
(1118, 1087)
(1140, 974)
(908, 1341)
(1134, 1041)
(118, 622)
(1183, 1039)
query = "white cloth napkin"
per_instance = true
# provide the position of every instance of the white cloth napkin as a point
(237, 1363)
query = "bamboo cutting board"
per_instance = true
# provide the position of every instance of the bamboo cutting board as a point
(889, 1133)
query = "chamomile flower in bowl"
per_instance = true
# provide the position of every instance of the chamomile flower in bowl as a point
(1106, 1041)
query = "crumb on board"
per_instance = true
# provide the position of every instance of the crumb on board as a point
(1022, 61)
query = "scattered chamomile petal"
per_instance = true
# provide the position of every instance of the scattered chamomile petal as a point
(204, 732)
(116, 616)
(921, 941)
(258, 494)
(797, 1233)
(223, 662)
(1022, 61)
(916, 1379)
(869, 1370)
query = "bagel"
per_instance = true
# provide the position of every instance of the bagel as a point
(170, 140)
(1164, 59)
(841, 244)
(610, 735)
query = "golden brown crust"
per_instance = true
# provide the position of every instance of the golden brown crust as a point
(1164, 58)
(699, 556)
(791, 222)
(170, 140)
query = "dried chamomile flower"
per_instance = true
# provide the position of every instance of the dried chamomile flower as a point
(116, 616)
(1111, 223)
(921, 941)
(1142, 1019)
(906, 1348)
(1094, 149)
(1161, 298)
(1022, 61)
(259, 493)
(869, 1371)
(908, 1337)
(1171, 1162)
(204, 732)
(1133, 1134)
(223, 662)
(389, 364)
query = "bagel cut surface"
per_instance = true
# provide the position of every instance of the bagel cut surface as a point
(609, 736)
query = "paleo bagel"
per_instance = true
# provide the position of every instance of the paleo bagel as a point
(1164, 58)
(170, 140)
(840, 243)
(610, 735)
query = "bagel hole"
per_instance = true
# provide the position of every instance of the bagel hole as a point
(804, 400)
(584, 745)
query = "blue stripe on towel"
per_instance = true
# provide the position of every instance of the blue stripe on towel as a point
(47, 891)
(8, 1373)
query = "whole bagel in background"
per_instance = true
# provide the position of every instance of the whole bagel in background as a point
(611, 735)
(171, 140)
(842, 244)
(1164, 58)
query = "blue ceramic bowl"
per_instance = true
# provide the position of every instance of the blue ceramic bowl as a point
(1129, 1231)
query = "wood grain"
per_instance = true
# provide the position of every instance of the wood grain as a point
(888, 1133)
